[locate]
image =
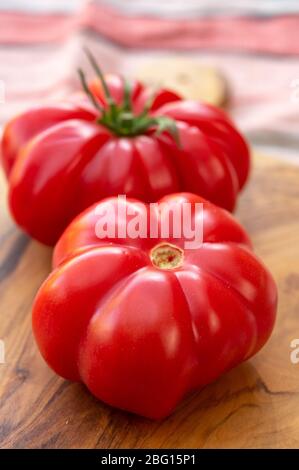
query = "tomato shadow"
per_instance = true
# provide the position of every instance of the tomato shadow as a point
(237, 396)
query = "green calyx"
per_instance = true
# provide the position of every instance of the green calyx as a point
(120, 119)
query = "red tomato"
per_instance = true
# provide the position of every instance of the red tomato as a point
(144, 321)
(60, 159)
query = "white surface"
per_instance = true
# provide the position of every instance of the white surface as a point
(188, 8)
(41, 6)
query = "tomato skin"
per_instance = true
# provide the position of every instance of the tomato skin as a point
(26, 126)
(136, 334)
(213, 160)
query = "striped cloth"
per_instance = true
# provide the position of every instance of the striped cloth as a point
(253, 43)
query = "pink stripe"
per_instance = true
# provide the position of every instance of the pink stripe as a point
(26, 28)
(274, 35)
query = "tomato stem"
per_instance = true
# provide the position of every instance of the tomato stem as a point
(100, 75)
(119, 118)
(88, 92)
(127, 104)
(167, 256)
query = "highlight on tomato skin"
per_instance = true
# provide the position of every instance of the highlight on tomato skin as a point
(118, 138)
(144, 321)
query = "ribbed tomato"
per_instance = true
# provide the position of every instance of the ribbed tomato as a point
(59, 159)
(142, 321)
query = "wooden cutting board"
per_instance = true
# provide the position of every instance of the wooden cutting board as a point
(255, 405)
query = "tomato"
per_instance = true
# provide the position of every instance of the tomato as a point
(60, 159)
(142, 321)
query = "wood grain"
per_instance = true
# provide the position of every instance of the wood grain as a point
(255, 405)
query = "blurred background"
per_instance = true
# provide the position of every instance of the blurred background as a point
(242, 55)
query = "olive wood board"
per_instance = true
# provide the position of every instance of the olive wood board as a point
(256, 405)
